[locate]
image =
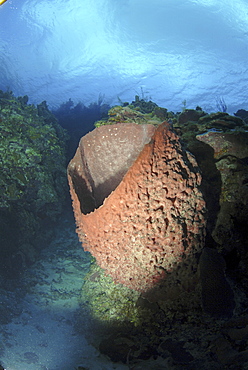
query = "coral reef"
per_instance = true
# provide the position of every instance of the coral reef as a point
(31, 150)
(219, 143)
(139, 111)
(33, 176)
(171, 327)
(100, 292)
(152, 218)
(127, 114)
(184, 322)
(143, 105)
(230, 154)
(215, 139)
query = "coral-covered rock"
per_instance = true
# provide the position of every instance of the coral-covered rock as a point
(32, 179)
(226, 144)
(221, 120)
(190, 115)
(230, 154)
(137, 203)
(242, 113)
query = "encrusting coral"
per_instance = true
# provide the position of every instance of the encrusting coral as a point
(33, 175)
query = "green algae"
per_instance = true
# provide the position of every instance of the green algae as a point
(139, 112)
(110, 302)
(33, 184)
(31, 150)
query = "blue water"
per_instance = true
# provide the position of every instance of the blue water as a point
(171, 51)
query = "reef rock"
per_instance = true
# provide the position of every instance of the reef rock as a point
(217, 295)
(137, 203)
(230, 154)
(232, 144)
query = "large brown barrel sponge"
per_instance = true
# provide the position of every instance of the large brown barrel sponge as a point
(137, 203)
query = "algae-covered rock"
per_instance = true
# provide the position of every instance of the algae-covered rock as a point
(31, 156)
(110, 302)
(143, 105)
(32, 178)
(139, 111)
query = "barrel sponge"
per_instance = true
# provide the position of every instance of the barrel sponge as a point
(137, 203)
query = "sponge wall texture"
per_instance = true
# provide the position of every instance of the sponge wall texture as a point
(137, 203)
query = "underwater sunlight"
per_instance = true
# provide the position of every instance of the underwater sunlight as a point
(169, 50)
(123, 184)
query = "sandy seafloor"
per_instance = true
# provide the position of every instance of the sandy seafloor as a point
(39, 311)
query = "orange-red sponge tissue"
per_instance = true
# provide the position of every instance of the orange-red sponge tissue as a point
(137, 203)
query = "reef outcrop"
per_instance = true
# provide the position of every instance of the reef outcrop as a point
(230, 154)
(137, 203)
(32, 179)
